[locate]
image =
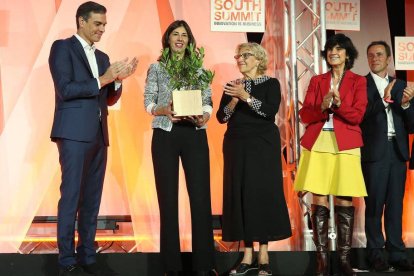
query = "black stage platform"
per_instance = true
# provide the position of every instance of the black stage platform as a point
(147, 264)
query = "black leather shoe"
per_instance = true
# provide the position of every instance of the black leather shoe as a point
(402, 265)
(379, 265)
(72, 270)
(95, 269)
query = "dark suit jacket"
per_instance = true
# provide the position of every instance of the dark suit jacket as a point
(347, 117)
(374, 126)
(78, 100)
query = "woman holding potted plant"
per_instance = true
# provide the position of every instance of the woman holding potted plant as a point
(254, 207)
(185, 138)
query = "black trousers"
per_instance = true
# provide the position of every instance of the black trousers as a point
(385, 182)
(189, 144)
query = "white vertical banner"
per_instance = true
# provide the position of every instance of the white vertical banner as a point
(404, 53)
(342, 15)
(238, 15)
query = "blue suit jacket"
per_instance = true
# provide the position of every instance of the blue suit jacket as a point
(374, 126)
(81, 108)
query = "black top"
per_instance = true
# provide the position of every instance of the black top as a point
(247, 120)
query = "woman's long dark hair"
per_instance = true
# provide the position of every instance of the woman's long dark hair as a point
(171, 28)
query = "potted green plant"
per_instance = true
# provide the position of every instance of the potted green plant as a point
(187, 79)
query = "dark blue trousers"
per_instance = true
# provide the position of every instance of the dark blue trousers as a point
(83, 169)
(385, 182)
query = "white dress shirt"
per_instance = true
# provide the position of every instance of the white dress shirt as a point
(381, 84)
(90, 55)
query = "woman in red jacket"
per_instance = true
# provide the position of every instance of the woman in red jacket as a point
(330, 163)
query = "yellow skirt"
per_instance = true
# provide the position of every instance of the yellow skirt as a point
(327, 171)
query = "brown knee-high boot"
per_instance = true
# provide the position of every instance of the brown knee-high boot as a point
(345, 225)
(320, 216)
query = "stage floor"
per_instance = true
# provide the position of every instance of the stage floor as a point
(148, 264)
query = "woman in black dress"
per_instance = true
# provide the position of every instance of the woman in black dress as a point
(254, 207)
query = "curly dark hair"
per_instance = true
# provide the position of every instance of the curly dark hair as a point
(171, 28)
(345, 42)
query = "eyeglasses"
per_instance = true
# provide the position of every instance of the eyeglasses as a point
(244, 55)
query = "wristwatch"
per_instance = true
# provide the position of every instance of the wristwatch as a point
(249, 100)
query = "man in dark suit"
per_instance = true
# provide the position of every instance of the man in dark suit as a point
(85, 84)
(384, 159)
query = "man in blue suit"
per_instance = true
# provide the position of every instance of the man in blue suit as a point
(85, 84)
(387, 121)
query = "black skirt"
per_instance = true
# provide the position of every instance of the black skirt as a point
(254, 206)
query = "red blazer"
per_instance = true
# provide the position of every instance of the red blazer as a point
(346, 118)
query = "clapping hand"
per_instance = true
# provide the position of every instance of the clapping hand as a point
(128, 69)
(119, 70)
(236, 90)
(387, 92)
(327, 101)
(336, 99)
(112, 72)
(408, 94)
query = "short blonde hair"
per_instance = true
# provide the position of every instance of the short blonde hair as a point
(259, 53)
